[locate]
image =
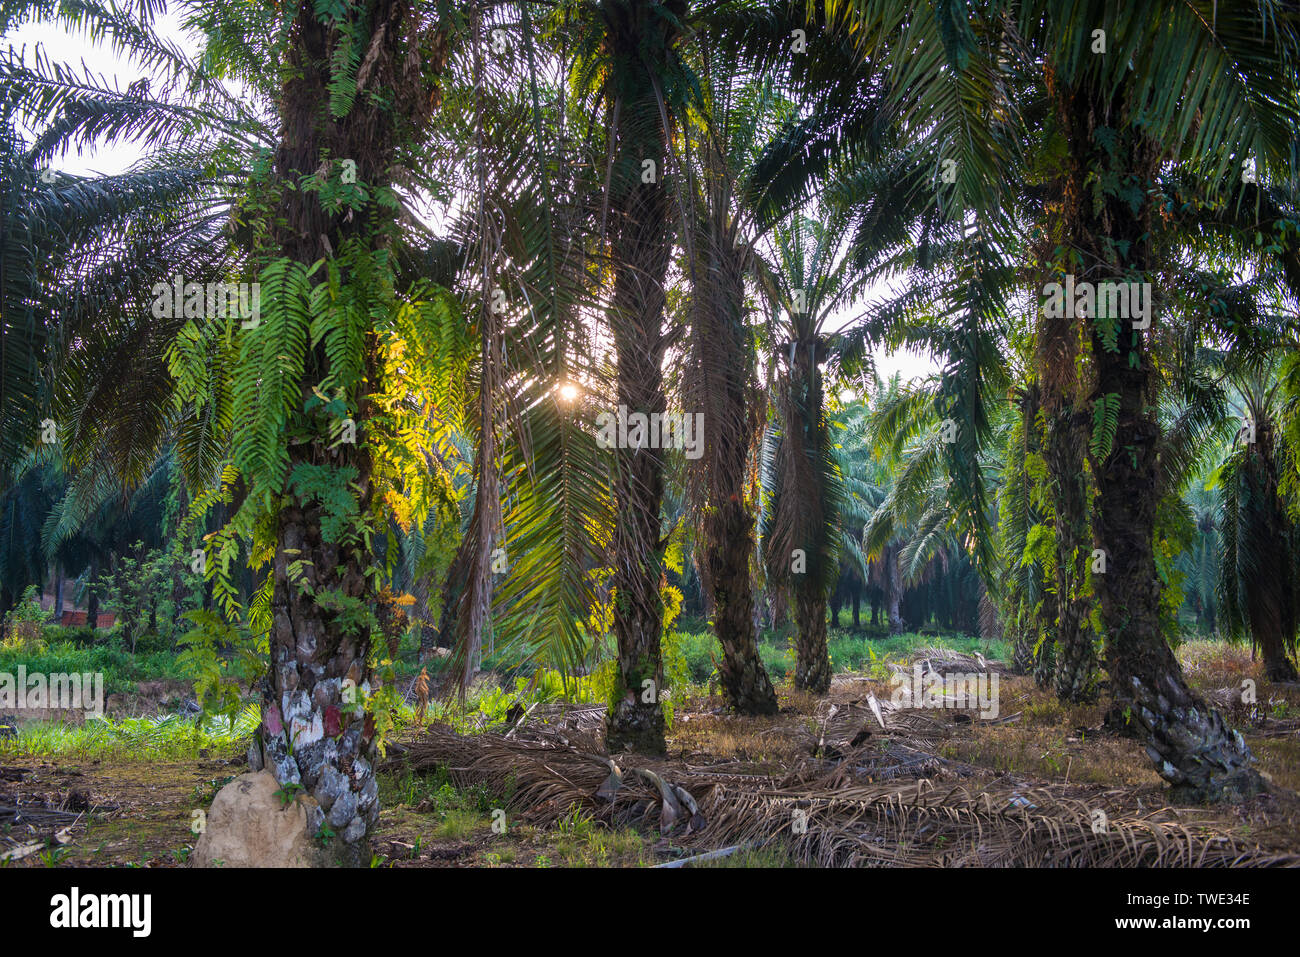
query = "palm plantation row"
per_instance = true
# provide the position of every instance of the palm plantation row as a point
(477, 228)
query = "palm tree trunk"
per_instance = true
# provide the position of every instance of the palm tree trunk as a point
(1191, 744)
(313, 735)
(1269, 605)
(92, 595)
(485, 526)
(812, 669)
(801, 515)
(720, 385)
(731, 542)
(641, 244)
(1065, 451)
(893, 589)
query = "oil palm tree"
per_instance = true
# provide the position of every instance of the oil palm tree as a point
(1260, 539)
(1121, 124)
(358, 93)
(808, 280)
(643, 85)
(1122, 114)
(720, 377)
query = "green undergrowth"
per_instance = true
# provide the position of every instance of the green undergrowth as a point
(153, 738)
(122, 670)
(849, 651)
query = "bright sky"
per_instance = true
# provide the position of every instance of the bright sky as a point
(115, 157)
(75, 50)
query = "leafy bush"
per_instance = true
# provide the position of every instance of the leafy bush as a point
(151, 590)
(24, 625)
(82, 637)
(121, 669)
(700, 652)
(133, 739)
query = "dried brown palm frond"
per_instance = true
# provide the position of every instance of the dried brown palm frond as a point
(946, 661)
(546, 779)
(920, 825)
(825, 816)
(575, 726)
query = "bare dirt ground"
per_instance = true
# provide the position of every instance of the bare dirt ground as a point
(823, 782)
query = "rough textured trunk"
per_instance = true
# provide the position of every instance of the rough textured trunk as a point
(743, 677)
(812, 669)
(1277, 665)
(798, 551)
(1270, 609)
(640, 247)
(1065, 451)
(720, 386)
(312, 735)
(778, 600)
(315, 734)
(1060, 402)
(1192, 746)
(1022, 653)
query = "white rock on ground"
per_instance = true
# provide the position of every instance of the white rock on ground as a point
(249, 826)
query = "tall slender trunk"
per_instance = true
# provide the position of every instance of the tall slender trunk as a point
(314, 733)
(893, 583)
(485, 527)
(802, 512)
(720, 386)
(1191, 744)
(1065, 451)
(92, 594)
(1270, 609)
(778, 600)
(640, 247)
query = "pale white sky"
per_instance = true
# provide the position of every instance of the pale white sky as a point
(75, 50)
